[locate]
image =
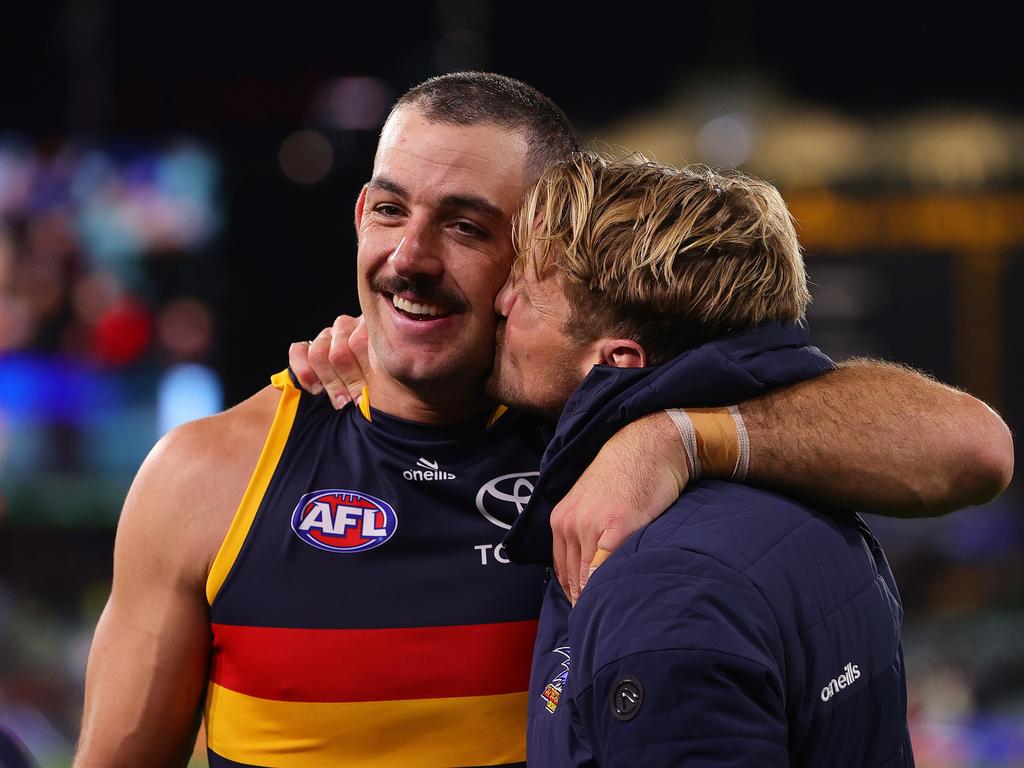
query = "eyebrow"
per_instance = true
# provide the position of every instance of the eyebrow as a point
(470, 202)
(385, 184)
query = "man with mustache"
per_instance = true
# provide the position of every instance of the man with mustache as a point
(329, 588)
(741, 627)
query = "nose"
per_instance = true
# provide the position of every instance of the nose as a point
(506, 298)
(416, 254)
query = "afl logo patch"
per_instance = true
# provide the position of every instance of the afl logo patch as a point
(343, 521)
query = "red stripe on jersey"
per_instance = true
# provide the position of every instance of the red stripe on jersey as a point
(339, 665)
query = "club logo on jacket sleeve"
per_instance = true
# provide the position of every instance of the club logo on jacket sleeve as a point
(553, 690)
(338, 520)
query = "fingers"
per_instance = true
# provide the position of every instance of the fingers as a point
(596, 547)
(298, 361)
(610, 540)
(599, 557)
(334, 363)
(345, 359)
(589, 554)
(319, 360)
(558, 550)
(567, 544)
(572, 567)
(578, 553)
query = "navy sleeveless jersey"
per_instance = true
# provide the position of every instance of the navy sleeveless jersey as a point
(362, 609)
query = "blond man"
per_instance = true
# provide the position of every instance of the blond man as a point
(742, 627)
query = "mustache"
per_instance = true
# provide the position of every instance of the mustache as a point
(424, 291)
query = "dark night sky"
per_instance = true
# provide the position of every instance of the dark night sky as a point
(861, 57)
(240, 76)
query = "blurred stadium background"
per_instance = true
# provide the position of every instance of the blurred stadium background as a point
(176, 190)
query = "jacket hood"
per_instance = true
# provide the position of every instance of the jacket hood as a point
(725, 371)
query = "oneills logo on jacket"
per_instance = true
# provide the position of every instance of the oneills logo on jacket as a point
(851, 673)
(337, 520)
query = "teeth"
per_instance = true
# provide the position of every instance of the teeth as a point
(415, 309)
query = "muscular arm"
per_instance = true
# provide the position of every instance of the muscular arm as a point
(870, 436)
(148, 663)
(880, 438)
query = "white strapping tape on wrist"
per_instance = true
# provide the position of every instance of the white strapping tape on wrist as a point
(688, 434)
(743, 460)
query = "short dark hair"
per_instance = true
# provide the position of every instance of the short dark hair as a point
(471, 98)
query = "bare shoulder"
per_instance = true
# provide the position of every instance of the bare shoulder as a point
(189, 486)
(227, 438)
(178, 509)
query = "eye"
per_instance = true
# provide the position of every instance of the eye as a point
(387, 210)
(468, 228)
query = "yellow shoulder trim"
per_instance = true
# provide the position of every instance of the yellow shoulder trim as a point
(498, 413)
(273, 447)
(364, 404)
(282, 380)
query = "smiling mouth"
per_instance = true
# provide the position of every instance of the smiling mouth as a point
(417, 310)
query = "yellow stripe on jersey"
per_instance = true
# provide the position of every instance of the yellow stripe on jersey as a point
(471, 730)
(499, 411)
(364, 404)
(273, 447)
(364, 408)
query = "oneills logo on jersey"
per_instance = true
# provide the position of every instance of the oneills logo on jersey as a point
(427, 470)
(343, 521)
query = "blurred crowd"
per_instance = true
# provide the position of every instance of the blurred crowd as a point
(105, 312)
(107, 340)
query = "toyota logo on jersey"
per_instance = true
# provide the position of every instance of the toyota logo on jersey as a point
(343, 521)
(502, 499)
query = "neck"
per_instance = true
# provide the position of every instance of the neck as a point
(434, 403)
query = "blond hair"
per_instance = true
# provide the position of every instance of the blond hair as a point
(668, 257)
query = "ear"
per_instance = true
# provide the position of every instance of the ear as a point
(360, 202)
(621, 353)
